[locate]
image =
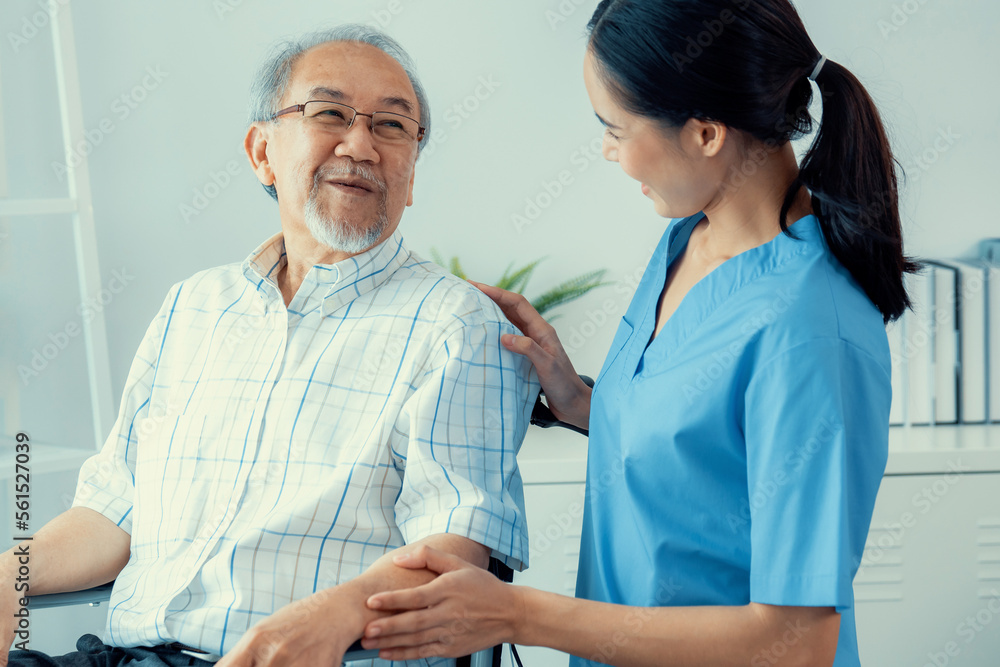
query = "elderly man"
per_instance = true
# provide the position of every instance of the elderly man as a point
(291, 422)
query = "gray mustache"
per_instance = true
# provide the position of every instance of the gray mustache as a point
(350, 169)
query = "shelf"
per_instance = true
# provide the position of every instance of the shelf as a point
(45, 458)
(971, 448)
(558, 456)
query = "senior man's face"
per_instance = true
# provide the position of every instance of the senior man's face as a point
(347, 188)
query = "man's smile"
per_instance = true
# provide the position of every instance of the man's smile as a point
(354, 185)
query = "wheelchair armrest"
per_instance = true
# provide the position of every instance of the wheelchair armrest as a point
(93, 596)
(542, 416)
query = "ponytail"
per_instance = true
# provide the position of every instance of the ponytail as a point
(747, 64)
(850, 172)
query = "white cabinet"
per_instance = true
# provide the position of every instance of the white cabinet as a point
(928, 589)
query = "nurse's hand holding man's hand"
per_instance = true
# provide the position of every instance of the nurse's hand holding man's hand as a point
(566, 394)
(456, 614)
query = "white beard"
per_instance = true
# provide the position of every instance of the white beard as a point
(339, 234)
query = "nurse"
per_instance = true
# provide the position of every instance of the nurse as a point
(739, 426)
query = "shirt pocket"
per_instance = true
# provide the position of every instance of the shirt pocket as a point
(620, 343)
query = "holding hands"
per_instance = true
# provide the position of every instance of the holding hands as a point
(464, 610)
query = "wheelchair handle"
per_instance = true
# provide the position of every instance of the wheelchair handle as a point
(542, 416)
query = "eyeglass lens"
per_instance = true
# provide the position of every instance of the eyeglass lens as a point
(385, 125)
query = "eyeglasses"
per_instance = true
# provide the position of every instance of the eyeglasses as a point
(392, 128)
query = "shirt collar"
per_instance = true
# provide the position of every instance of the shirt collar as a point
(328, 286)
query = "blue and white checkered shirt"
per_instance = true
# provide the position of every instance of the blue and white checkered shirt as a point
(263, 453)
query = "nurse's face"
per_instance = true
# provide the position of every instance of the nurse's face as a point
(674, 166)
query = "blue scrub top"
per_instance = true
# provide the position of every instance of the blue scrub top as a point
(736, 457)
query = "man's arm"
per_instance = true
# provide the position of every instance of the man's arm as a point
(78, 549)
(317, 630)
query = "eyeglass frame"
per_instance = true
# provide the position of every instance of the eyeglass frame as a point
(301, 108)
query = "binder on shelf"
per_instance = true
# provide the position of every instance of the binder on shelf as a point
(896, 333)
(989, 249)
(993, 338)
(944, 281)
(972, 388)
(918, 346)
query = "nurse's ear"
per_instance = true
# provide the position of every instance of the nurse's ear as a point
(704, 138)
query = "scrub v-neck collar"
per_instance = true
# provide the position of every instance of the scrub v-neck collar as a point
(712, 291)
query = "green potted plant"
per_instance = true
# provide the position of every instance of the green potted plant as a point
(516, 280)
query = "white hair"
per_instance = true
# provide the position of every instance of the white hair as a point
(274, 75)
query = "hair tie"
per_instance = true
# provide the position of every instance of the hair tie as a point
(818, 68)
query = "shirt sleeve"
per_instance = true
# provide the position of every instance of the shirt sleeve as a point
(107, 480)
(817, 430)
(464, 426)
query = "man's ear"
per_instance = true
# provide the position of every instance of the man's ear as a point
(255, 146)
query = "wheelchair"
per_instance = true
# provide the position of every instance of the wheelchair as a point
(541, 416)
(99, 594)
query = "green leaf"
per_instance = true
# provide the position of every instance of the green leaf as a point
(456, 268)
(569, 290)
(518, 281)
(438, 259)
(504, 282)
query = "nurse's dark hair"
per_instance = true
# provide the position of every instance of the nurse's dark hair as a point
(746, 64)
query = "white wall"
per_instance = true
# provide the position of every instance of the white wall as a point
(932, 73)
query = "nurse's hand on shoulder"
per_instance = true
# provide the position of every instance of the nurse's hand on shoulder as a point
(464, 610)
(566, 394)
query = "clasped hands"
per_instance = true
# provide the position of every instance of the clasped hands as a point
(463, 610)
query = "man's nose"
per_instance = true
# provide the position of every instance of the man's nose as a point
(358, 142)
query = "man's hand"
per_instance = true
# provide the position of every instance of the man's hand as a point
(466, 609)
(318, 630)
(313, 631)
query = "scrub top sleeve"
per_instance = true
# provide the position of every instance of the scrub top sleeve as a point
(817, 429)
